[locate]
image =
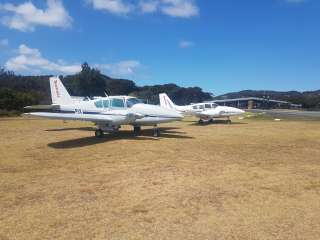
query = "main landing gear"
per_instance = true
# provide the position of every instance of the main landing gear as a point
(136, 130)
(99, 133)
(202, 121)
(156, 131)
(104, 128)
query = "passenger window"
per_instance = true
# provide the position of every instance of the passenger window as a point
(106, 103)
(98, 104)
(118, 103)
(207, 106)
(201, 106)
(195, 107)
(214, 105)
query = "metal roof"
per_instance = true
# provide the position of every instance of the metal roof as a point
(248, 99)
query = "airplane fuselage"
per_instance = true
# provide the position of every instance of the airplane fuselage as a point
(204, 111)
(137, 114)
(209, 110)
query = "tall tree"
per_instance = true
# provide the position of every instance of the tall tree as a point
(89, 82)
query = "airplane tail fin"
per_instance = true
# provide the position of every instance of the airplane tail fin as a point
(59, 93)
(166, 102)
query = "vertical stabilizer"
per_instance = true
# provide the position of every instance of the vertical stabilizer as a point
(59, 93)
(166, 102)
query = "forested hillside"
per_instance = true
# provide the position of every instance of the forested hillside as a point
(18, 91)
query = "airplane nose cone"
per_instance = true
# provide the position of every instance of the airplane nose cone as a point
(237, 110)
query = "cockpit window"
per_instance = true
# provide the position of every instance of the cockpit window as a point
(132, 101)
(106, 104)
(98, 104)
(117, 103)
(207, 105)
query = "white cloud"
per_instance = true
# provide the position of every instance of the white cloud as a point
(121, 69)
(31, 60)
(118, 7)
(26, 16)
(4, 42)
(180, 8)
(172, 8)
(148, 6)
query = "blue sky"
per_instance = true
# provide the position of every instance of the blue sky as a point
(221, 46)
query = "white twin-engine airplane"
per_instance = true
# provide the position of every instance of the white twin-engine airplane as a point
(108, 113)
(204, 111)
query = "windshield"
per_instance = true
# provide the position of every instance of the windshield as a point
(132, 101)
(214, 105)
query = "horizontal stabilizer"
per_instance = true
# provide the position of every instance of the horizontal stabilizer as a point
(42, 107)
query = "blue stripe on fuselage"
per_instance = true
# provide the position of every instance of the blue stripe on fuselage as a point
(104, 113)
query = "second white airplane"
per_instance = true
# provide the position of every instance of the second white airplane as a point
(204, 111)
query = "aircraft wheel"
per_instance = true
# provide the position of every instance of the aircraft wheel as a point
(211, 120)
(200, 121)
(136, 130)
(156, 132)
(98, 133)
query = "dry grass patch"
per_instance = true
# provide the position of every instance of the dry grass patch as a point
(248, 180)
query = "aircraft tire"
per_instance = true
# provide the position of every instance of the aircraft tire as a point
(136, 130)
(156, 132)
(98, 133)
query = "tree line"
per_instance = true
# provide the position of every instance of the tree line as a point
(17, 91)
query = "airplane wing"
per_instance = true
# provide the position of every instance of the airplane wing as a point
(72, 116)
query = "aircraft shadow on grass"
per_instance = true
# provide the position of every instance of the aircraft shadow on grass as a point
(71, 129)
(146, 134)
(217, 122)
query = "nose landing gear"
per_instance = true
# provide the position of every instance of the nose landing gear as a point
(229, 120)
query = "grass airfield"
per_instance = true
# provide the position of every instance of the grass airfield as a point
(253, 179)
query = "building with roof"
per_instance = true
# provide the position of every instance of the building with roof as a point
(257, 103)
